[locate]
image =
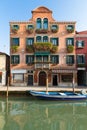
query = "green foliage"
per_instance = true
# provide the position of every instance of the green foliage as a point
(14, 48)
(54, 49)
(54, 28)
(29, 48)
(70, 48)
(42, 46)
(41, 31)
(70, 28)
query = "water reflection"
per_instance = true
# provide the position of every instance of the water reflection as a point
(24, 114)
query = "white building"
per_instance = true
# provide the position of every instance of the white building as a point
(4, 68)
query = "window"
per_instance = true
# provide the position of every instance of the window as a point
(80, 44)
(29, 41)
(18, 77)
(45, 58)
(29, 27)
(70, 59)
(45, 23)
(54, 27)
(15, 41)
(15, 27)
(70, 41)
(38, 23)
(66, 78)
(15, 59)
(55, 59)
(38, 58)
(70, 28)
(80, 59)
(54, 41)
(38, 39)
(45, 39)
(29, 59)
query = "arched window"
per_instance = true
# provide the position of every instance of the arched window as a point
(38, 39)
(45, 39)
(45, 23)
(39, 23)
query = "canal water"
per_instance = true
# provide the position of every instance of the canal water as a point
(30, 114)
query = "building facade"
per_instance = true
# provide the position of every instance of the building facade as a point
(43, 48)
(81, 54)
(4, 68)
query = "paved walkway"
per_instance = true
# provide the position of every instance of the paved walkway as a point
(19, 89)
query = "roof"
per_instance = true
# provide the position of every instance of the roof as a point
(82, 32)
(42, 9)
(2, 53)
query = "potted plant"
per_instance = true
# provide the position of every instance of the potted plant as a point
(15, 28)
(54, 49)
(70, 48)
(29, 48)
(54, 28)
(41, 31)
(70, 28)
(14, 48)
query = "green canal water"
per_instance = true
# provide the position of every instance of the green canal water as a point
(30, 114)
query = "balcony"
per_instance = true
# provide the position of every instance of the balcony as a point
(42, 66)
(45, 46)
(81, 65)
(39, 31)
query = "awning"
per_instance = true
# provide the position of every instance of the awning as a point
(41, 53)
(20, 71)
(63, 71)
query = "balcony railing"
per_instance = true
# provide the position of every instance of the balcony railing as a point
(42, 66)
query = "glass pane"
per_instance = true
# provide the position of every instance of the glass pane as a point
(45, 23)
(15, 41)
(45, 39)
(39, 23)
(38, 39)
(30, 41)
(18, 77)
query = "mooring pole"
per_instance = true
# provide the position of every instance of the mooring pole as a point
(73, 83)
(47, 84)
(7, 86)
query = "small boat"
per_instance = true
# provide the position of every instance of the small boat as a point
(61, 96)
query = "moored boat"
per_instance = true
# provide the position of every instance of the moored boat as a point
(69, 96)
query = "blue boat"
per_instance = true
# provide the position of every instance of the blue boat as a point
(61, 96)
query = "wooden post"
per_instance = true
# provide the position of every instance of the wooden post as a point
(47, 84)
(7, 86)
(73, 83)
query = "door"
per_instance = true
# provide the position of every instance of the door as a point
(42, 78)
(30, 80)
(55, 83)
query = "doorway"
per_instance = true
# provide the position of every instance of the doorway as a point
(81, 77)
(42, 78)
(30, 80)
(55, 83)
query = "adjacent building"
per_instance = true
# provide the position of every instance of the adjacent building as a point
(4, 68)
(81, 54)
(43, 48)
